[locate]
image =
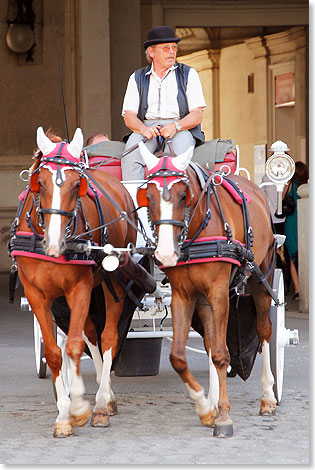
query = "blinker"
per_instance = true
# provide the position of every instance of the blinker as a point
(34, 184)
(142, 199)
(83, 186)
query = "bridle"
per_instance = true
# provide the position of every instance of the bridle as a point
(58, 160)
(177, 176)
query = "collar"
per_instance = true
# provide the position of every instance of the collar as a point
(152, 71)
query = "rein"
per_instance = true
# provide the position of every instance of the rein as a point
(123, 214)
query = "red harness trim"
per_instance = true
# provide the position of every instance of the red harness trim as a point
(232, 191)
(60, 260)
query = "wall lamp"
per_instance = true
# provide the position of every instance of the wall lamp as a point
(21, 19)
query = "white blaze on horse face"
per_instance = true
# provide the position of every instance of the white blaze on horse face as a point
(165, 250)
(54, 237)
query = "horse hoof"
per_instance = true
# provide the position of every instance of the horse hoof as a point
(112, 408)
(223, 429)
(63, 429)
(267, 408)
(80, 420)
(208, 419)
(100, 418)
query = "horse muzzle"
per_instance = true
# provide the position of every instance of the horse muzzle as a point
(167, 259)
(53, 249)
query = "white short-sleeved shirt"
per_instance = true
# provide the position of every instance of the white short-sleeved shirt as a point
(162, 95)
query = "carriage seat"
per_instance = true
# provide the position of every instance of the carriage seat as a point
(211, 155)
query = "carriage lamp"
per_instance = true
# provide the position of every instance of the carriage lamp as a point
(280, 168)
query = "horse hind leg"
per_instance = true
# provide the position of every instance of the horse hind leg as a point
(90, 339)
(105, 401)
(262, 302)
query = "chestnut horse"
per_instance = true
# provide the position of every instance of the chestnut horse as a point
(176, 211)
(57, 202)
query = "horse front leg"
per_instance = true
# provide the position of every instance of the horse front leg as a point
(219, 303)
(41, 308)
(205, 315)
(78, 300)
(105, 401)
(182, 311)
(262, 302)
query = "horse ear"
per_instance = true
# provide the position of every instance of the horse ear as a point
(149, 159)
(142, 199)
(76, 144)
(182, 161)
(44, 143)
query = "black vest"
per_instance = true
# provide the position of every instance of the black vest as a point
(181, 73)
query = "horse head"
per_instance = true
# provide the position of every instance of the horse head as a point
(168, 197)
(57, 177)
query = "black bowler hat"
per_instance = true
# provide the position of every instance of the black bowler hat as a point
(160, 35)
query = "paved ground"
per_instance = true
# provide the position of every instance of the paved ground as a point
(156, 423)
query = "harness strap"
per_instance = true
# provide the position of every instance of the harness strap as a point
(226, 225)
(248, 233)
(56, 211)
(208, 190)
(109, 285)
(216, 248)
(262, 280)
(122, 213)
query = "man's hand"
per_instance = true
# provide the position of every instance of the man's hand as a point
(135, 125)
(168, 130)
(150, 132)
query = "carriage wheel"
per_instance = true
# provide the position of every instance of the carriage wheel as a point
(277, 317)
(66, 372)
(40, 360)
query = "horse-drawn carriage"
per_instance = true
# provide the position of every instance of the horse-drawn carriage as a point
(83, 254)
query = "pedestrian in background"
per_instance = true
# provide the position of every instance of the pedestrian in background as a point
(300, 176)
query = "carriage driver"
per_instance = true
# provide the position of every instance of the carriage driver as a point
(164, 98)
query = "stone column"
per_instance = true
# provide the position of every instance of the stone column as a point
(214, 56)
(303, 246)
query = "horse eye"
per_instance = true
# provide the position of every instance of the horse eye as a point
(183, 197)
